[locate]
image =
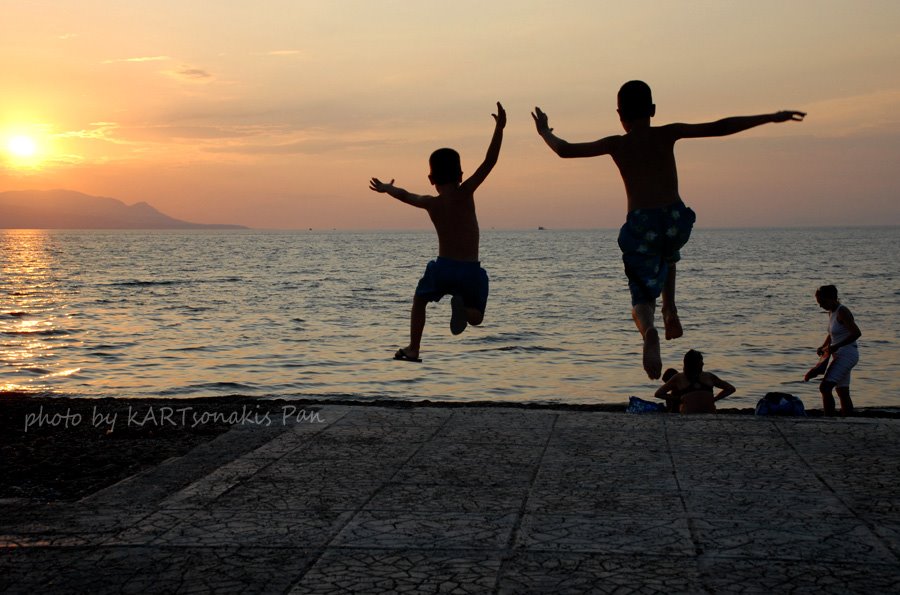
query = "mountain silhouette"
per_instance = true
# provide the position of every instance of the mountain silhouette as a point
(66, 209)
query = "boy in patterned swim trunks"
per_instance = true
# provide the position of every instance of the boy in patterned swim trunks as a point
(658, 222)
(456, 271)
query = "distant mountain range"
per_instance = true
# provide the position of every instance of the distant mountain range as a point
(65, 209)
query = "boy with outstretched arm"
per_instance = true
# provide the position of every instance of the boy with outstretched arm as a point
(456, 271)
(658, 222)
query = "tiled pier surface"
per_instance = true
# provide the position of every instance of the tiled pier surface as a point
(486, 500)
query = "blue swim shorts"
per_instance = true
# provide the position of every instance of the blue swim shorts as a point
(650, 241)
(445, 276)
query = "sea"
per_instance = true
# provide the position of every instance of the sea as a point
(319, 314)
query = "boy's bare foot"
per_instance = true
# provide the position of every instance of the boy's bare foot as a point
(652, 359)
(673, 325)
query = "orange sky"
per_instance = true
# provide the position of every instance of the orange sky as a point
(276, 114)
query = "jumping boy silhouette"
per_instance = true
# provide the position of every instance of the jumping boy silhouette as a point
(658, 222)
(456, 271)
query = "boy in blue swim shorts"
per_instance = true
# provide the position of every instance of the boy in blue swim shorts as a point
(658, 223)
(456, 271)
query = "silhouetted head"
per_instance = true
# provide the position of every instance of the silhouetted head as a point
(667, 375)
(827, 297)
(693, 365)
(635, 101)
(445, 167)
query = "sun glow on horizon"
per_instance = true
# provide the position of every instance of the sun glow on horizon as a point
(23, 151)
(21, 146)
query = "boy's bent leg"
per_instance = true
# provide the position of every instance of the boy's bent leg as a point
(669, 310)
(643, 317)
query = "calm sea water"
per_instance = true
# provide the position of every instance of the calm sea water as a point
(300, 314)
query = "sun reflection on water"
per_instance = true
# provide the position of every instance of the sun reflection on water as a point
(32, 305)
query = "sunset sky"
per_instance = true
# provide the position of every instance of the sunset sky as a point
(275, 113)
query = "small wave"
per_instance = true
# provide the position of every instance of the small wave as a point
(521, 348)
(15, 314)
(504, 337)
(53, 332)
(139, 283)
(217, 387)
(203, 348)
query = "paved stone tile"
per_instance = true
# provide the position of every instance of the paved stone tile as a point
(247, 528)
(400, 571)
(296, 496)
(605, 534)
(771, 575)
(733, 504)
(548, 499)
(485, 434)
(614, 437)
(406, 497)
(824, 540)
(605, 477)
(578, 573)
(501, 418)
(143, 570)
(408, 530)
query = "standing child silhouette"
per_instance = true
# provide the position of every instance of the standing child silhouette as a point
(658, 222)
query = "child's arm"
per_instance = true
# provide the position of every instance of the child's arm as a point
(568, 150)
(493, 152)
(663, 391)
(727, 126)
(400, 194)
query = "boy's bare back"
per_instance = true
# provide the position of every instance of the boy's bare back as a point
(452, 211)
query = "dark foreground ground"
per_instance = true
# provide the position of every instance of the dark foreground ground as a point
(451, 499)
(65, 448)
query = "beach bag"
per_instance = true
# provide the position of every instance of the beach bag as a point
(636, 405)
(780, 404)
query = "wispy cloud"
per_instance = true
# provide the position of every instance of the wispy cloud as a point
(190, 73)
(100, 131)
(138, 59)
(309, 147)
(282, 53)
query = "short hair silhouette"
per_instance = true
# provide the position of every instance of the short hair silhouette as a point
(635, 101)
(445, 167)
(828, 292)
(693, 365)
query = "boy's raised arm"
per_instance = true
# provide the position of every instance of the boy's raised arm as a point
(493, 152)
(566, 149)
(733, 125)
(400, 194)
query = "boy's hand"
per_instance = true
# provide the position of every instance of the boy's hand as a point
(379, 186)
(540, 121)
(500, 116)
(784, 116)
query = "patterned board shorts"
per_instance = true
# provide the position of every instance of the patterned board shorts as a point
(650, 241)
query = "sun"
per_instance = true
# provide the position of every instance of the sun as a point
(21, 146)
